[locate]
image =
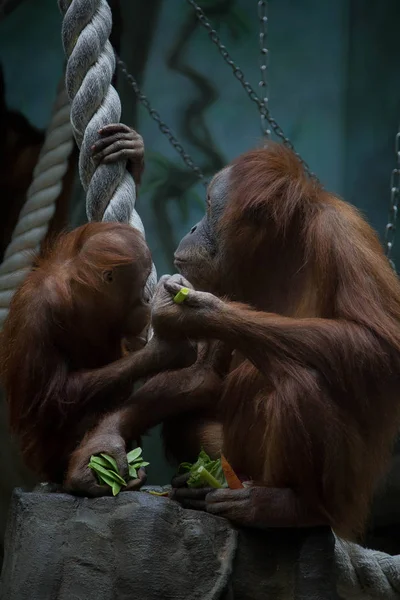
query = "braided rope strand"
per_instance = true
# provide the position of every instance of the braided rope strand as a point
(364, 573)
(40, 205)
(110, 189)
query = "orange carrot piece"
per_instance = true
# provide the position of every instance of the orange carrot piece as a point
(232, 479)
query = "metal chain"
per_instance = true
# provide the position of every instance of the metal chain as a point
(264, 61)
(238, 73)
(187, 159)
(390, 232)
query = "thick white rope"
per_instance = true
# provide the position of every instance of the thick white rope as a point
(364, 574)
(40, 205)
(110, 189)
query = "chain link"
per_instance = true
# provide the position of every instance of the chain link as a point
(390, 232)
(264, 61)
(238, 73)
(165, 130)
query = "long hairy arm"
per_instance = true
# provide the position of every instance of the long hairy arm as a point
(105, 383)
(336, 348)
(163, 396)
(341, 350)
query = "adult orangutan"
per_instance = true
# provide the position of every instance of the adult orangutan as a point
(296, 283)
(62, 361)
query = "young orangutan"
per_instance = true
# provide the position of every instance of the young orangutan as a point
(62, 363)
(296, 282)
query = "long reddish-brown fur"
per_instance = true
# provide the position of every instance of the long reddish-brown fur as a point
(59, 326)
(330, 410)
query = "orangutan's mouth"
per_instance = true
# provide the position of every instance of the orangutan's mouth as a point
(179, 262)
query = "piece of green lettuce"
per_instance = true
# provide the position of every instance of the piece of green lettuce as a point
(205, 472)
(107, 472)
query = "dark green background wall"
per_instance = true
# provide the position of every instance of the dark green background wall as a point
(335, 90)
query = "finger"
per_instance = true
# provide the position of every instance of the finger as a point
(162, 280)
(133, 485)
(108, 141)
(177, 278)
(97, 491)
(189, 493)
(116, 128)
(193, 504)
(180, 480)
(193, 298)
(219, 508)
(227, 495)
(126, 154)
(136, 484)
(234, 511)
(239, 513)
(160, 291)
(142, 475)
(122, 463)
(172, 287)
(116, 148)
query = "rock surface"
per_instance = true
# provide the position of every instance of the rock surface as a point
(59, 547)
(142, 547)
(133, 546)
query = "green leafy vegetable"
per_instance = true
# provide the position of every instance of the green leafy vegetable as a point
(105, 479)
(116, 488)
(208, 478)
(106, 469)
(115, 476)
(110, 461)
(205, 472)
(97, 460)
(133, 455)
(135, 461)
